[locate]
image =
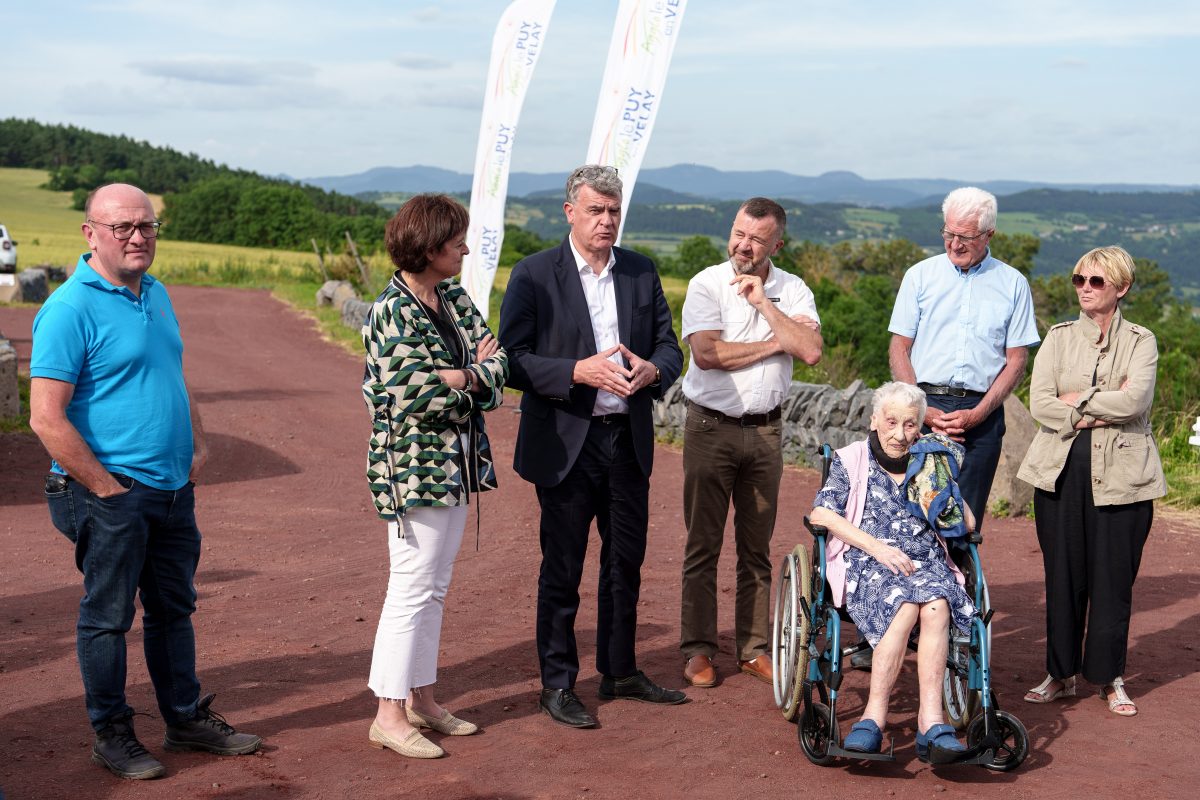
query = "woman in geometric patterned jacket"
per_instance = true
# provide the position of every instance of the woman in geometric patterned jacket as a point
(432, 368)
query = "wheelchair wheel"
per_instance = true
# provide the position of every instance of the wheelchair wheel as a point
(789, 654)
(1012, 737)
(960, 702)
(816, 732)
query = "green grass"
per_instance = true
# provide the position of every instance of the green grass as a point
(1181, 462)
(19, 423)
(1032, 224)
(871, 222)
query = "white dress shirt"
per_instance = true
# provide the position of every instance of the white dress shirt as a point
(712, 304)
(602, 308)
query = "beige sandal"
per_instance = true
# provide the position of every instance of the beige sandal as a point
(1042, 693)
(1118, 698)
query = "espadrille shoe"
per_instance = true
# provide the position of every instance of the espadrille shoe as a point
(447, 723)
(414, 746)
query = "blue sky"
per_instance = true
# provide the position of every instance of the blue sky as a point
(1036, 90)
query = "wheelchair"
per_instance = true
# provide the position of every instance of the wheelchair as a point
(807, 655)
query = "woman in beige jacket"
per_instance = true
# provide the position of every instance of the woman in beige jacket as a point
(1096, 470)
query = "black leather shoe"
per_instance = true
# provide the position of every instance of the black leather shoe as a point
(118, 750)
(565, 708)
(862, 659)
(638, 687)
(208, 731)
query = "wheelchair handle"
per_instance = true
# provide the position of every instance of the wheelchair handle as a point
(817, 531)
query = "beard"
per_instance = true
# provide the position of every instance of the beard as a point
(747, 267)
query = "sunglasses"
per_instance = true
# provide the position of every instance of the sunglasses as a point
(1096, 281)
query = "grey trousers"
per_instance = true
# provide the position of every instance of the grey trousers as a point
(724, 461)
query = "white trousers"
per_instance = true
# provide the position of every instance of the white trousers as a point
(410, 626)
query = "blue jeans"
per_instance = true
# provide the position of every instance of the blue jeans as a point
(144, 541)
(982, 447)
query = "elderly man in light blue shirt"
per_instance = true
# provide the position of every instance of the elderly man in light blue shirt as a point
(961, 329)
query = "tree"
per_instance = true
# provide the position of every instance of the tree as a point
(1017, 250)
(695, 253)
(274, 216)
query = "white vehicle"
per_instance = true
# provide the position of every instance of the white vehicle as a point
(8, 252)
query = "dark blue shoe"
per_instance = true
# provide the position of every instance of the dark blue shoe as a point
(941, 737)
(864, 737)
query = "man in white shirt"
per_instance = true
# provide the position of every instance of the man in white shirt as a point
(744, 321)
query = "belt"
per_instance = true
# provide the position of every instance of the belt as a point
(745, 420)
(611, 419)
(952, 391)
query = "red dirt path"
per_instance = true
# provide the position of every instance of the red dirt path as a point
(293, 575)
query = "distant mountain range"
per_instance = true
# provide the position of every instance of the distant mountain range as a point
(691, 182)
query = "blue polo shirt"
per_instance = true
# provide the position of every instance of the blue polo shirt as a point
(124, 355)
(962, 322)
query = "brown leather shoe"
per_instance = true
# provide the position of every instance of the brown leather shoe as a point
(699, 671)
(758, 667)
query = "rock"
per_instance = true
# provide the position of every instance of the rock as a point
(335, 293)
(1019, 429)
(35, 286)
(10, 397)
(56, 274)
(354, 312)
(10, 292)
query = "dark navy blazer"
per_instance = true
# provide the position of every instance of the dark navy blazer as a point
(545, 328)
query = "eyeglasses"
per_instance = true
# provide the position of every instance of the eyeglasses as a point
(949, 237)
(124, 230)
(1096, 281)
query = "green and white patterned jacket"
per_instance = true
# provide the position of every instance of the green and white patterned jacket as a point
(415, 456)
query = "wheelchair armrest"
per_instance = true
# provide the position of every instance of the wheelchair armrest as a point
(818, 531)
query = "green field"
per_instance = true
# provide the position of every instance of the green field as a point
(47, 231)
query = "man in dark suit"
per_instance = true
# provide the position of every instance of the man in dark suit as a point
(589, 340)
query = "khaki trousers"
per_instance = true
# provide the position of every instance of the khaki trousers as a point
(724, 461)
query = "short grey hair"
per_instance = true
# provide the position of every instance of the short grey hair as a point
(596, 177)
(899, 393)
(971, 204)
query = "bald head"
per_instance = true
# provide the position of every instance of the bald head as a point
(112, 212)
(124, 194)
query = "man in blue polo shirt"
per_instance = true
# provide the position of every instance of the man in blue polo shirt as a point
(961, 330)
(109, 402)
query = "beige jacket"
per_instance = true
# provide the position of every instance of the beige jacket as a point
(1125, 463)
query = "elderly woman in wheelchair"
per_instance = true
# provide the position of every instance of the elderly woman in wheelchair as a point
(887, 561)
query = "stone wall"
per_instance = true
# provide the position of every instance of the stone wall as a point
(815, 414)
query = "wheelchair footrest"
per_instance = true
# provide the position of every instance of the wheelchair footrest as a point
(834, 750)
(979, 754)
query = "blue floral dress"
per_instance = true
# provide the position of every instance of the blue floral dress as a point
(873, 593)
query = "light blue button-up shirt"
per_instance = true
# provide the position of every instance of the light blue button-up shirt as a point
(961, 322)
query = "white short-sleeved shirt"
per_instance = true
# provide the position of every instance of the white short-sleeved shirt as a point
(962, 322)
(712, 304)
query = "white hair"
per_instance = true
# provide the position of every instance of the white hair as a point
(970, 204)
(901, 394)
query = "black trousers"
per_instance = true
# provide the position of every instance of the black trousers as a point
(1091, 555)
(606, 485)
